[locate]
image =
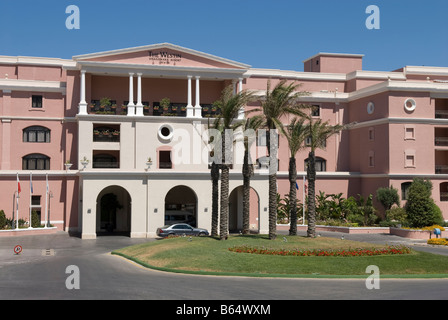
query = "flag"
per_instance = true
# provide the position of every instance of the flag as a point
(18, 184)
(297, 186)
(31, 182)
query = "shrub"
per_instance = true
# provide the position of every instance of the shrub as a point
(420, 208)
(35, 221)
(3, 221)
(396, 214)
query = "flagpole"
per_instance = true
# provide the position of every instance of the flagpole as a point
(17, 202)
(31, 201)
(46, 200)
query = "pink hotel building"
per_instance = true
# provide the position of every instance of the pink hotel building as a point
(51, 114)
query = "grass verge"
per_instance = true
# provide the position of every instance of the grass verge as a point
(210, 256)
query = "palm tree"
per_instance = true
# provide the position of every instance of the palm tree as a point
(230, 105)
(251, 125)
(278, 103)
(317, 132)
(295, 135)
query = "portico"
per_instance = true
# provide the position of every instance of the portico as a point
(195, 70)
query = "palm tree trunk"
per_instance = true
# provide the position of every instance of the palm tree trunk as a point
(246, 192)
(272, 150)
(224, 219)
(311, 175)
(292, 197)
(215, 199)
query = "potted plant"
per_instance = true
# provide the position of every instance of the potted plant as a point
(105, 102)
(165, 103)
(148, 163)
(84, 162)
(115, 132)
(67, 165)
(96, 132)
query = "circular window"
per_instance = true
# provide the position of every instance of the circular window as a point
(410, 104)
(370, 107)
(165, 132)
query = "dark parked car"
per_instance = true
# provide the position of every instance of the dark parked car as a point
(181, 229)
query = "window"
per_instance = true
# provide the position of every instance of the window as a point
(315, 111)
(36, 101)
(371, 159)
(444, 191)
(36, 134)
(35, 201)
(410, 161)
(320, 164)
(36, 161)
(409, 133)
(371, 134)
(404, 190)
(165, 160)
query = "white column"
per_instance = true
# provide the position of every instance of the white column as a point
(190, 109)
(131, 106)
(82, 102)
(139, 106)
(240, 88)
(197, 107)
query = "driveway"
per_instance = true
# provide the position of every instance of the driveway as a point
(40, 272)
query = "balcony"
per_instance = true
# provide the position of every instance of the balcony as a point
(107, 159)
(176, 109)
(441, 108)
(110, 133)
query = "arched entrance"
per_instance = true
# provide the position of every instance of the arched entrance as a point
(181, 206)
(114, 210)
(236, 210)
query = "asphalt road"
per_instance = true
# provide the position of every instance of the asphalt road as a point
(40, 272)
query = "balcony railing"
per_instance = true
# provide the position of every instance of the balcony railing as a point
(173, 110)
(441, 141)
(442, 114)
(105, 165)
(99, 136)
(441, 169)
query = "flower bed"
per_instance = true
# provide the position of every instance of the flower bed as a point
(438, 241)
(389, 250)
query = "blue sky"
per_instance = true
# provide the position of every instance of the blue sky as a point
(277, 34)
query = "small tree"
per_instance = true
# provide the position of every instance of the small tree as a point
(35, 220)
(388, 197)
(420, 208)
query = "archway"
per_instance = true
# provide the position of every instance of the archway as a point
(236, 210)
(181, 206)
(114, 210)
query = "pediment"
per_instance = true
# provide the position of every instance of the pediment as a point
(164, 54)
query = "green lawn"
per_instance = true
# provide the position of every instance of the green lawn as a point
(212, 256)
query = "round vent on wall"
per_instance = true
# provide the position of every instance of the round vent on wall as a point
(165, 132)
(409, 104)
(370, 107)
